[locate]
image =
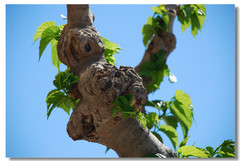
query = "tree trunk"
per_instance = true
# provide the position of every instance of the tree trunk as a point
(81, 48)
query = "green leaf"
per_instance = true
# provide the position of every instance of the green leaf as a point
(184, 141)
(60, 97)
(181, 110)
(157, 10)
(171, 133)
(54, 99)
(226, 154)
(123, 105)
(183, 18)
(157, 77)
(142, 119)
(55, 61)
(151, 119)
(182, 97)
(110, 45)
(153, 104)
(149, 20)
(57, 98)
(226, 149)
(147, 68)
(158, 136)
(187, 151)
(110, 49)
(156, 69)
(152, 87)
(210, 151)
(42, 27)
(171, 121)
(107, 149)
(160, 10)
(65, 80)
(47, 35)
(147, 31)
(195, 24)
(49, 97)
(193, 15)
(165, 18)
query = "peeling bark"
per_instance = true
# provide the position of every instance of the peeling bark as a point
(81, 48)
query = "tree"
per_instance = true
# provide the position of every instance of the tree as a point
(109, 102)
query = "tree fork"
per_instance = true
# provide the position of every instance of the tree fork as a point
(81, 48)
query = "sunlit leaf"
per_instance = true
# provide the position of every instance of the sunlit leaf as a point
(151, 119)
(47, 35)
(110, 49)
(181, 110)
(187, 151)
(171, 133)
(147, 32)
(184, 141)
(192, 15)
(171, 121)
(42, 27)
(55, 61)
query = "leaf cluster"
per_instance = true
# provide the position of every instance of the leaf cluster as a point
(156, 69)
(192, 15)
(225, 150)
(188, 15)
(122, 105)
(49, 32)
(60, 97)
(175, 111)
(158, 21)
(110, 49)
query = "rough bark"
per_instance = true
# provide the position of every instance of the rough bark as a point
(81, 48)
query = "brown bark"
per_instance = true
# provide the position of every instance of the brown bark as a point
(81, 48)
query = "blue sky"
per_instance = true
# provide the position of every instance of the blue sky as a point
(204, 67)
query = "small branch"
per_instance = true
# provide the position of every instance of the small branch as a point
(165, 41)
(172, 12)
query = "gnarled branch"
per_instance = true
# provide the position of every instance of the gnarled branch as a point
(81, 48)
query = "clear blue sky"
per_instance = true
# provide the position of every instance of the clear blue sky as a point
(204, 67)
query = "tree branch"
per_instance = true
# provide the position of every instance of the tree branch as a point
(81, 48)
(165, 41)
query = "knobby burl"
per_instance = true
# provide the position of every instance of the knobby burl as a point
(81, 48)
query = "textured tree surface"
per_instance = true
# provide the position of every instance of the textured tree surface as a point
(81, 48)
